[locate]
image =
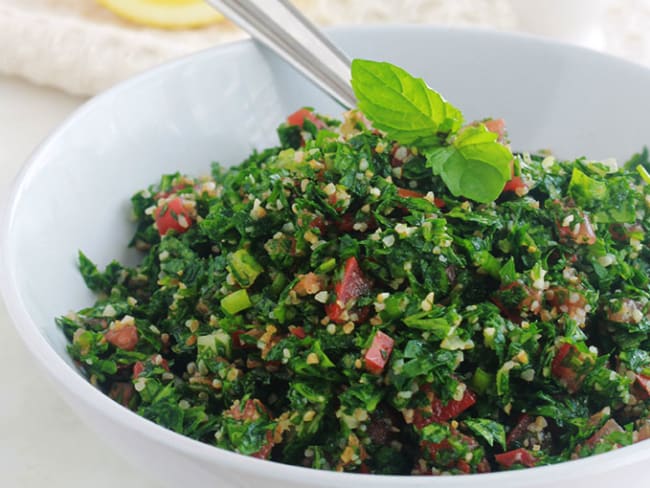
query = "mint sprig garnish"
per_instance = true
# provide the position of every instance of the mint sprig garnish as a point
(473, 165)
(401, 105)
(471, 162)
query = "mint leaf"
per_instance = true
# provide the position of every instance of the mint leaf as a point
(401, 105)
(490, 430)
(474, 166)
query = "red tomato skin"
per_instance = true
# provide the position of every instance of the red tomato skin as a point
(407, 193)
(346, 224)
(514, 184)
(125, 338)
(609, 427)
(168, 217)
(252, 411)
(441, 412)
(379, 352)
(641, 386)
(436, 452)
(266, 449)
(520, 429)
(556, 366)
(320, 224)
(238, 343)
(299, 116)
(138, 368)
(298, 331)
(517, 456)
(352, 286)
(584, 235)
(566, 375)
(122, 392)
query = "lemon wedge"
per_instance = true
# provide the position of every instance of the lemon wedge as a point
(166, 14)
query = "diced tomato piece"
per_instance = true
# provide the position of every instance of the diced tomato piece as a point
(346, 224)
(320, 224)
(347, 221)
(623, 232)
(610, 427)
(515, 185)
(556, 366)
(172, 215)
(164, 364)
(299, 332)
(123, 337)
(641, 386)
(441, 412)
(238, 343)
(531, 300)
(353, 285)
(520, 429)
(121, 392)
(643, 431)
(253, 410)
(498, 126)
(443, 453)
(299, 116)
(266, 449)
(516, 456)
(378, 353)
(583, 234)
(571, 302)
(618, 232)
(406, 193)
(562, 370)
(138, 368)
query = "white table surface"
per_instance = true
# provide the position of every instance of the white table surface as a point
(42, 442)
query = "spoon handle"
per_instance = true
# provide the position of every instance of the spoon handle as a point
(281, 27)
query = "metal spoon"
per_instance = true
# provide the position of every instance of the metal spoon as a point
(281, 27)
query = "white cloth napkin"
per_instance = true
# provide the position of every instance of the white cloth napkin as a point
(79, 47)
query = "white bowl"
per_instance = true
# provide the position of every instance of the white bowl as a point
(219, 104)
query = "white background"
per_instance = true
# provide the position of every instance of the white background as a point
(42, 442)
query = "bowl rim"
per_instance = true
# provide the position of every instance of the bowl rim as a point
(58, 371)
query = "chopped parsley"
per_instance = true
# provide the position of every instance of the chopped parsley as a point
(392, 293)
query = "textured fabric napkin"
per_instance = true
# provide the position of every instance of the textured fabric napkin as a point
(79, 47)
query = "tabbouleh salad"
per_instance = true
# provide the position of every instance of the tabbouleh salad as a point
(393, 293)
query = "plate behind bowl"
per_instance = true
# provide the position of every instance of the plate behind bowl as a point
(220, 104)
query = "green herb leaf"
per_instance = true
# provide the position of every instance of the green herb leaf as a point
(585, 189)
(474, 166)
(402, 105)
(489, 430)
